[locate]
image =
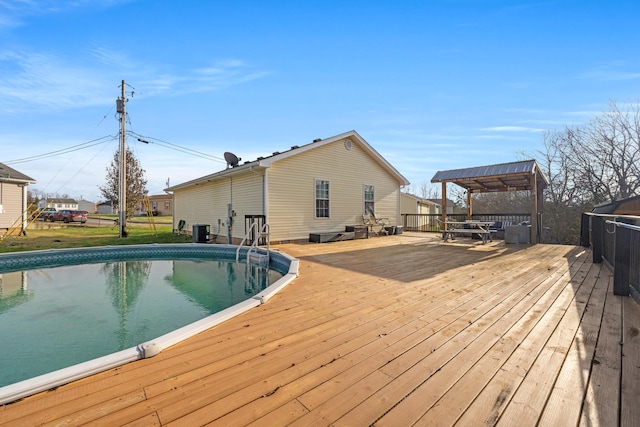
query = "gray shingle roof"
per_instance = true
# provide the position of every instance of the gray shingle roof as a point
(9, 174)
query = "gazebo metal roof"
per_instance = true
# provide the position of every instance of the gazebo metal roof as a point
(492, 178)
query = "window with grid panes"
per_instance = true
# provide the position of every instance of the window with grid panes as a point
(322, 198)
(369, 198)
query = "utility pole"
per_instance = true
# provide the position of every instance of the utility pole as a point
(122, 175)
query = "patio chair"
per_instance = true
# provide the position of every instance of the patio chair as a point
(382, 222)
(371, 222)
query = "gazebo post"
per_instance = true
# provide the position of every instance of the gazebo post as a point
(444, 205)
(534, 208)
(540, 210)
(469, 205)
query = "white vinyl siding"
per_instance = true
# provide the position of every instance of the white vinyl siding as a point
(207, 203)
(291, 181)
(11, 201)
(290, 202)
(414, 205)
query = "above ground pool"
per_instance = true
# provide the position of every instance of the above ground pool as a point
(72, 312)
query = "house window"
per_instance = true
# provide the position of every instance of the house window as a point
(167, 205)
(369, 199)
(322, 198)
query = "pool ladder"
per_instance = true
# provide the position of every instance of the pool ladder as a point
(253, 253)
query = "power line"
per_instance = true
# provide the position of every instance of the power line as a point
(166, 144)
(67, 150)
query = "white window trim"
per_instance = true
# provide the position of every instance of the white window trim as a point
(315, 211)
(364, 204)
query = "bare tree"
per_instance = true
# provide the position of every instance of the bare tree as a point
(565, 198)
(136, 182)
(604, 154)
(508, 202)
(589, 164)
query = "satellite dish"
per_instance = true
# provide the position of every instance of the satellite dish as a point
(232, 159)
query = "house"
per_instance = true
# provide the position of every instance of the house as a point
(628, 206)
(106, 208)
(319, 187)
(411, 204)
(86, 205)
(161, 204)
(59, 203)
(451, 206)
(13, 199)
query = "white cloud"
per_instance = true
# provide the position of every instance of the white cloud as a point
(612, 71)
(31, 80)
(512, 129)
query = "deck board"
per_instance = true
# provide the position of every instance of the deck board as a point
(605, 371)
(397, 330)
(630, 388)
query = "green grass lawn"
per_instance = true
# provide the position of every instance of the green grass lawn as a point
(76, 237)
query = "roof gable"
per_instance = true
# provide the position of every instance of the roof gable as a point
(265, 162)
(60, 200)
(9, 174)
(420, 199)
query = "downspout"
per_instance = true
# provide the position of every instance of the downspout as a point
(230, 213)
(174, 225)
(265, 200)
(265, 195)
(25, 214)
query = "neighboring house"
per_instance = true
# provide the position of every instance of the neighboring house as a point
(59, 203)
(628, 206)
(416, 205)
(419, 214)
(161, 204)
(106, 208)
(13, 198)
(451, 209)
(86, 205)
(315, 188)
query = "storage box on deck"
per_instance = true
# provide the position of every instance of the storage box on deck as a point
(331, 237)
(361, 231)
(517, 234)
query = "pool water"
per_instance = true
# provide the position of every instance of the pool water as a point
(52, 318)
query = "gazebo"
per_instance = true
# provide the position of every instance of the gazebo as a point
(523, 175)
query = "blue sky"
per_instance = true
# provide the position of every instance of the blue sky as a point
(431, 85)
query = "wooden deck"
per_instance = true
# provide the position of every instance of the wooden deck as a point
(390, 331)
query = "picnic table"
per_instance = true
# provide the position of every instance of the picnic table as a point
(452, 228)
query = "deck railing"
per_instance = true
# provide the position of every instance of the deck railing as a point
(430, 222)
(615, 241)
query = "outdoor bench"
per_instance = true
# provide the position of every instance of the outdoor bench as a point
(471, 231)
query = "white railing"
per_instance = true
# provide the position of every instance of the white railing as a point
(258, 234)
